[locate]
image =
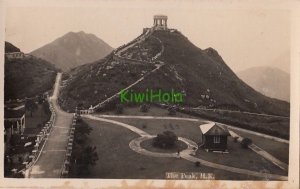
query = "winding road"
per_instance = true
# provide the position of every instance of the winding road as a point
(50, 161)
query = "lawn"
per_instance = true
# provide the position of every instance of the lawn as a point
(278, 149)
(153, 111)
(181, 128)
(250, 160)
(240, 158)
(117, 160)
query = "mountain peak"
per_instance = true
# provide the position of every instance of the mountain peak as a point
(73, 49)
(201, 75)
(76, 33)
(270, 81)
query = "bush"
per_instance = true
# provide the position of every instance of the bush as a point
(246, 142)
(172, 110)
(144, 108)
(166, 139)
(197, 163)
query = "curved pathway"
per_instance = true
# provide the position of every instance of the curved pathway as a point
(196, 120)
(253, 147)
(135, 145)
(186, 155)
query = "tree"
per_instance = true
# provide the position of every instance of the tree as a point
(83, 156)
(82, 129)
(40, 99)
(166, 139)
(246, 142)
(172, 110)
(31, 106)
(144, 108)
(46, 108)
(87, 158)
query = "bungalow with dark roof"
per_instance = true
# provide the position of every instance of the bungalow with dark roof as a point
(214, 137)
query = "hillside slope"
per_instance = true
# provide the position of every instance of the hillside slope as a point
(27, 77)
(201, 74)
(269, 81)
(73, 49)
(10, 48)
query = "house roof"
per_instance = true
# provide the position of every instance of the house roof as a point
(213, 129)
(11, 113)
(14, 105)
(160, 16)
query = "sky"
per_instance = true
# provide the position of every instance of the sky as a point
(244, 35)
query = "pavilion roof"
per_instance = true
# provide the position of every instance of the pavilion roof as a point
(213, 129)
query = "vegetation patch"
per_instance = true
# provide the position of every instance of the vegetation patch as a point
(163, 143)
(84, 156)
(27, 77)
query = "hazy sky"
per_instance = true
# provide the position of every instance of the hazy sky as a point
(245, 36)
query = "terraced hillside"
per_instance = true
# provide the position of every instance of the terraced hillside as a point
(201, 75)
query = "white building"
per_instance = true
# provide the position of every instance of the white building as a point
(15, 55)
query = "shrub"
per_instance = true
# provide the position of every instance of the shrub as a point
(31, 106)
(197, 163)
(172, 110)
(246, 142)
(166, 139)
(144, 108)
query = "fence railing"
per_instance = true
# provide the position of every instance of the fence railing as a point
(40, 141)
(69, 148)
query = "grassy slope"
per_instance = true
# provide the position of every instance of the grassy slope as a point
(27, 77)
(205, 69)
(92, 83)
(188, 68)
(191, 131)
